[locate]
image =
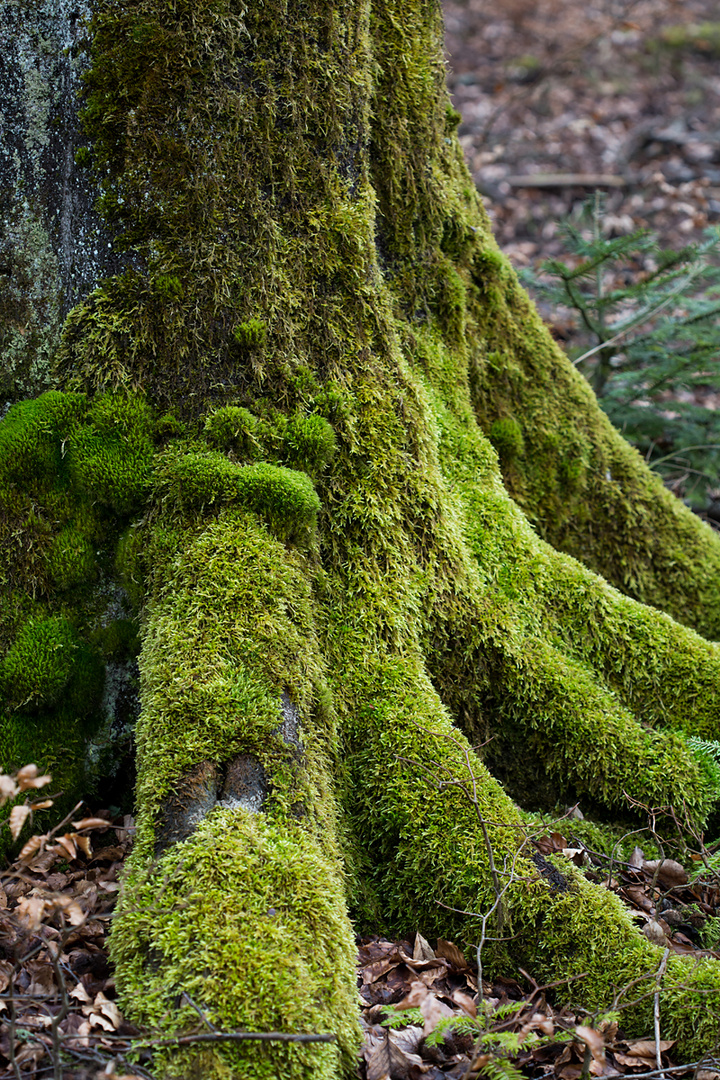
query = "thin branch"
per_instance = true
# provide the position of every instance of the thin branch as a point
(656, 1011)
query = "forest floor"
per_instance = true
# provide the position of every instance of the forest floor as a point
(559, 99)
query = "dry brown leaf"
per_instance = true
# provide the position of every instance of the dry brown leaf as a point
(646, 1047)
(654, 932)
(70, 908)
(80, 994)
(421, 948)
(8, 788)
(408, 1040)
(42, 980)
(27, 777)
(466, 1003)
(34, 844)
(64, 845)
(372, 972)
(18, 817)
(451, 953)
(637, 858)
(109, 1009)
(388, 1060)
(671, 873)
(83, 842)
(414, 997)
(91, 823)
(433, 1011)
(30, 911)
(44, 804)
(593, 1040)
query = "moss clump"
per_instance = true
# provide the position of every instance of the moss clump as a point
(507, 438)
(110, 457)
(235, 428)
(39, 664)
(250, 334)
(309, 443)
(30, 434)
(285, 498)
(71, 559)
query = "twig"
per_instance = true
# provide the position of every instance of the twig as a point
(237, 1036)
(199, 1011)
(656, 1011)
(214, 1037)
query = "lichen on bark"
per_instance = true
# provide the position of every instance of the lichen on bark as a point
(338, 464)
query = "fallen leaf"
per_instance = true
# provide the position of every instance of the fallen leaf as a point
(18, 817)
(670, 874)
(421, 948)
(31, 847)
(109, 1009)
(388, 1060)
(646, 1047)
(637, 858)
(30, 911)
(27, 777)
(8, 788)
(451, 953)
(653, 931)
(372, 972)
(593, 1040)
(433, 1011)
(91, 823)
(466, 1003)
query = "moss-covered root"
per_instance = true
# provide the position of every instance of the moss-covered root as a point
(247, 917)
(235, 893)
(420, 798)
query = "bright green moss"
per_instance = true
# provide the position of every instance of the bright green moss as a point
(250, 334)
(110, 457)
(234, 428)
(71, 560)
(38, 666)
(282, 864)
(507, 438)
(309, 443)
(30, 438)
(285, 498)
(285, 889)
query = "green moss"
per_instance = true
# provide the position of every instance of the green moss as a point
(71, 559)
(309, 443)
(285, 889)
(250, 334)
(283, 863)
(39, 665)
(235, 428)
(109, 459)
(507, 438)
(285, 498)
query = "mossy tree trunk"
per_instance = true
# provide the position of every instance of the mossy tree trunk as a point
(363, 502)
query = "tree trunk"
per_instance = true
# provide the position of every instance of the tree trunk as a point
(323, 441)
